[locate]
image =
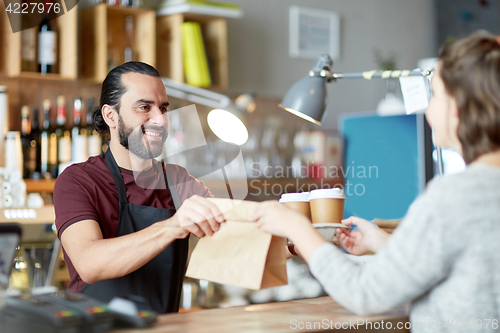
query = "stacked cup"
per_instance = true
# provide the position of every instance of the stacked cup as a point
(322, 207)
(327, 205)
(298, 202)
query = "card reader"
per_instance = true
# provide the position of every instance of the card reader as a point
(96, 316)
(34, 314)
(134, 311)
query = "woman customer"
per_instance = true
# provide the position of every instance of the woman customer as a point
(444, 258)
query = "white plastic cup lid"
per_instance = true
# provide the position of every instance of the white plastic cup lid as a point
(327, 193)
(295, 197)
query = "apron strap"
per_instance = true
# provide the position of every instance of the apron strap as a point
(173, 190)
(120, 185)
(115, 171)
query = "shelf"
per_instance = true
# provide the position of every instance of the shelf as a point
(101, 22)
(25, 215)
(187, 8)
(67, 57)
(169, 55)
(40, 76)
(40, 185)
(218, 186)
(125, 10)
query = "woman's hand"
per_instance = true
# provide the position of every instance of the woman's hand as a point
(368, 237)
(279, 220)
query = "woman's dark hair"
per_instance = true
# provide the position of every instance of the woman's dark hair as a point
(470, 70)
(113, 90)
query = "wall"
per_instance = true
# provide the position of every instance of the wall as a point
(459, 18)
(258, 47)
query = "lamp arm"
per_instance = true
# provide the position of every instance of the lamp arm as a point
(368, 75)
(195, 94)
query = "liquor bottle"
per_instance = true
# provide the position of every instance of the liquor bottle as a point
(28, 50)
(29, 160)
(113, 53)
(35, 144)
(63, 138)
(94, 139)
(88, 115)
(129, 54)
(47, 45)
(78, 134)
(28, 43)
(44, 140)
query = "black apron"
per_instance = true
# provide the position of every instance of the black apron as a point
(160, 280)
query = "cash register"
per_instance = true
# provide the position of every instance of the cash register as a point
(48, 310)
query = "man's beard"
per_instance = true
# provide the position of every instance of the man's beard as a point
(134, 140)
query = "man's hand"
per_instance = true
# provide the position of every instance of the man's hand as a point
(368, 238)
(198, 216)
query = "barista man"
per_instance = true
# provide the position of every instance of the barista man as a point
(124, 218)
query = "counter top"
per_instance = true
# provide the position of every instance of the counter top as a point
(293, 316)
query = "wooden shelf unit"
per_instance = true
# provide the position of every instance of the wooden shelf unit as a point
(40, 185)
(67, 51)
(98, 23)
(216, 186)
(169, 57)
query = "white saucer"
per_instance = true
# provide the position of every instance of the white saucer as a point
(328, 231)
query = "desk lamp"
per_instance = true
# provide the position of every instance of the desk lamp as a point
(223, 120)
(307, 97)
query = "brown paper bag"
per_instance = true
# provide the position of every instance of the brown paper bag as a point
(239, 253)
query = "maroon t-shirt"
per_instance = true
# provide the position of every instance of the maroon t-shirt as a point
(87, 191)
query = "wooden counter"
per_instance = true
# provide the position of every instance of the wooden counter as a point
(293, 316)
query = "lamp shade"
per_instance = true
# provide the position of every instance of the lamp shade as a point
(227, 126)
(307, 99)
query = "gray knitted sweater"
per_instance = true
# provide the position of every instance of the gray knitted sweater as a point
(444, 259)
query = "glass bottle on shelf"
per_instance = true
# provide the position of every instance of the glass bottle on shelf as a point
(94, 142)
(63, 137)
(44, 140)
(88, 115)
(35, 144)
(270, 158)
(28, 50)
(78, 134)
(129, 53)
(136, 3)
(299, 163)
(47, 44)
(113, 54)
(28, 156)
(28, 43)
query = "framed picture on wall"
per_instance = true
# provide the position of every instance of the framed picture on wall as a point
(314, 32)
